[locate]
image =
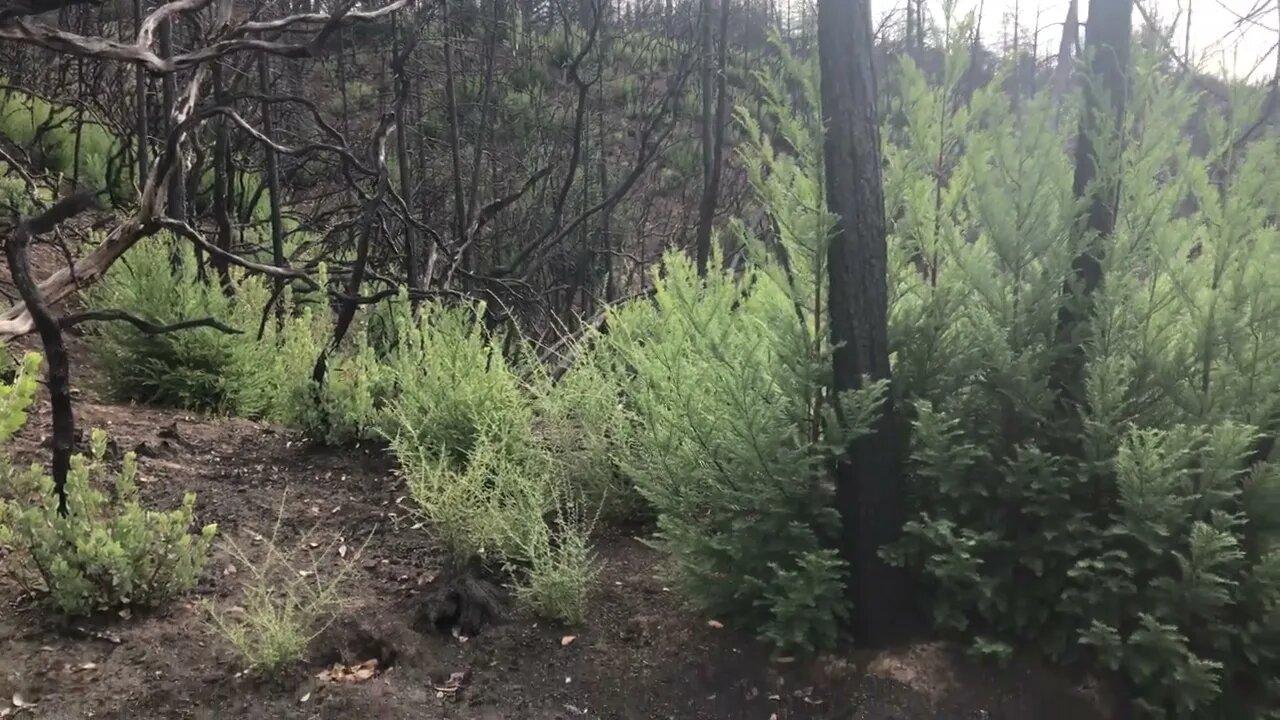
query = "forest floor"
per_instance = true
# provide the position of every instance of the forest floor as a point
(640, 654)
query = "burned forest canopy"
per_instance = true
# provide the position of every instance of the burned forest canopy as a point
(876, 328)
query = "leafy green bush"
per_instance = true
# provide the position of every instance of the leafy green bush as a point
(579, 419)
(529, 76)
(555, 564)
(506, 502)
(13, 192)
(206, 369)
(108, 552)
(562, 49)
(469, 504)
(48, 133)
(724, 447)
(199, 368)
(452, 384)
(285, 604)
(727, 380)
(481, 468)
(1137, 537)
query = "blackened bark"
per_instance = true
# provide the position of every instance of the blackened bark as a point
(486, 94)
(1066, 56)
(273, 176)
(401, 63)
(868, 483)
(455, 135)
(140, 98)
(368, 226)
(221, 183)
(55, 350)
(713, 128)
(605, 239)
(177, 203)
(1108, 37)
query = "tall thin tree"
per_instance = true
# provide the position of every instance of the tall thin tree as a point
(272, 166)
(713, 126)
(1096, 184)
(868, 484)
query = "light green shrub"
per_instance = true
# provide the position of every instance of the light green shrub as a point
(25, 120)
(206, 369)
(580, 418)
(727, 380)
(557, 564)
(13, 192)
(286, 603)
(480, 467)
(451, 382)
(108, 552)
(197, 368)
(468, 504)
(507, 504)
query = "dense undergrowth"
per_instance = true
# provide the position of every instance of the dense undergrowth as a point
(1136, 539)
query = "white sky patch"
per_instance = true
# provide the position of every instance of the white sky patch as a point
(1237, 37)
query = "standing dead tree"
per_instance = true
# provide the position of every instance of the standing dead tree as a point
(162, 185)
(227, 36)
(59, 365)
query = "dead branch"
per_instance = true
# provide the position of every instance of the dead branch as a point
(147, 327)
(301, 150)
(17, 320)
(234, 39)
(181, 228)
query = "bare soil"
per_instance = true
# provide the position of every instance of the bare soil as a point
(640, 655)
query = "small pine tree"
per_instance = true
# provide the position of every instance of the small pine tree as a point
(728, 389)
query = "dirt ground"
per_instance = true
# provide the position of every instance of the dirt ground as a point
(639, 656)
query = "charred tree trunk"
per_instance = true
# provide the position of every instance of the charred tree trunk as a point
(402, 158)
(55, 350)
(364, 232)
(868, 482)
(177, 205)
(272, 180)
(713, 127)
(605, 240)
(140, 98)
(1066, 54)
(1108, 34)
(221, 182)
(455, 138)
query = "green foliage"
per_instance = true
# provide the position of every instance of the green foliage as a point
(471, 505)
(559, 564)
(199, 368)
(16, 397)
(14, 194)
(286, 604)
(108, 552)
(1137, 537)
(474, 434)
(477, 463)
(579, 418)
(732, 428)
(529, 76)
(48, 133)
(207, 369)
(453, 383)
(506, 502)
(562, 50)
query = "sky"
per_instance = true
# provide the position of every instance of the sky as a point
(1219, 43)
